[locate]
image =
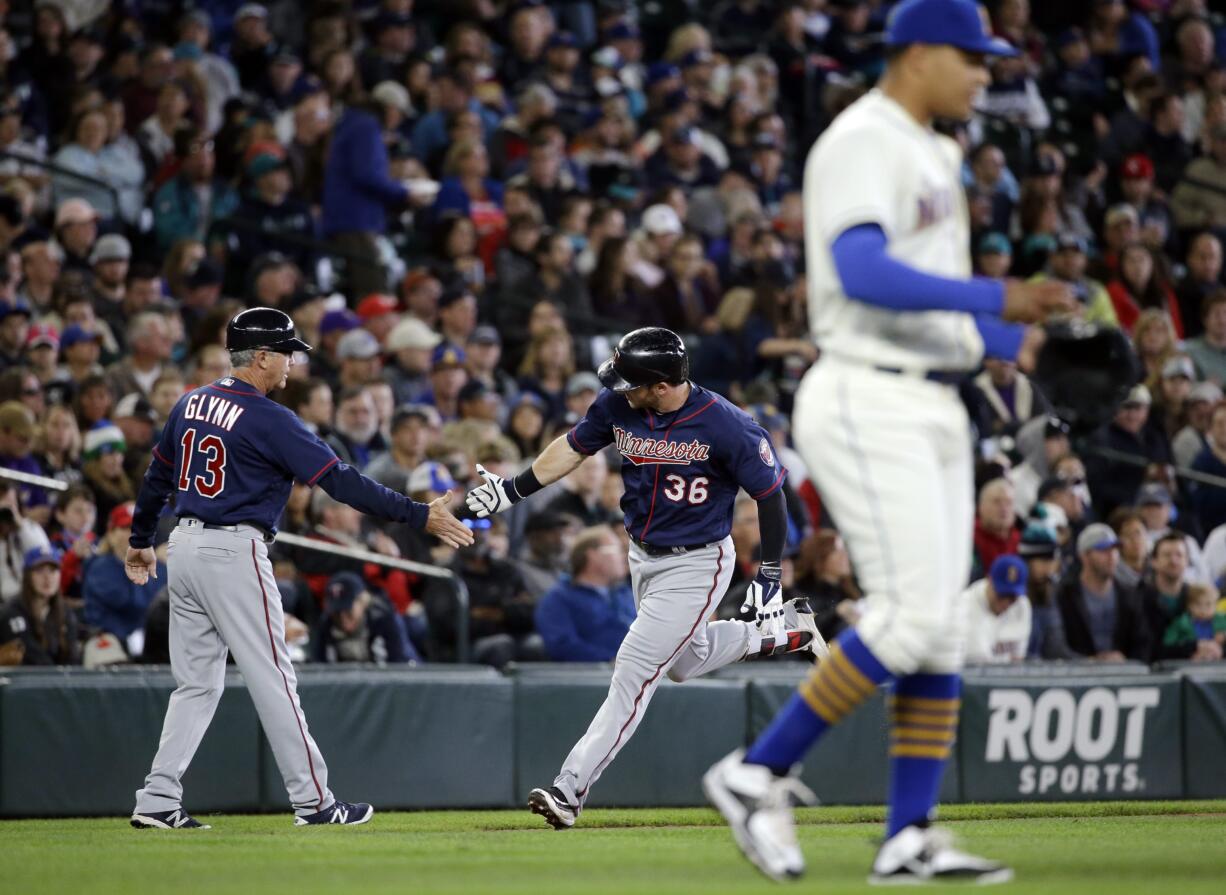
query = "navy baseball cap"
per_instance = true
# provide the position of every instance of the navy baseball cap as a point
(953, 22)
(1008, 575)
(343, 591)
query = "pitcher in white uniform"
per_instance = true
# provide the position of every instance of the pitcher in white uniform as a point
(900, 323)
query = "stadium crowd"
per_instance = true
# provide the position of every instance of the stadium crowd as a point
(462, 205)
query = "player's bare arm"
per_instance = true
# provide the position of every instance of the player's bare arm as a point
(496, 494)
(1035, 302)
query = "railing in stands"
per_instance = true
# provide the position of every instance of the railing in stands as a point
(455, 581)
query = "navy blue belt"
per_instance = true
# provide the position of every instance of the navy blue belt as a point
(944, 377)
(652, 550)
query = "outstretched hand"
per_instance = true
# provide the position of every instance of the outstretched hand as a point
(138, 565)
(490, 496)
(446, 527)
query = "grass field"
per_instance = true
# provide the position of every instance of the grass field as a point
(1111, 847)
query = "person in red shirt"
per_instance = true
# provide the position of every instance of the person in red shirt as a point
(996, 532)
(1139, 285)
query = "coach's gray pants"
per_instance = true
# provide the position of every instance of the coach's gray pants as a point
(676, 596)
(224, 598)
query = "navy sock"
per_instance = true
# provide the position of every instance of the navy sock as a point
(923, 723)
(845, 679)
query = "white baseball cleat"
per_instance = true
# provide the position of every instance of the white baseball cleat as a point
(798, 614)
(758, 808)
(916, 855)
(551, 804)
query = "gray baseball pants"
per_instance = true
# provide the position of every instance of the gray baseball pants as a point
(224, 598)
(675, 596)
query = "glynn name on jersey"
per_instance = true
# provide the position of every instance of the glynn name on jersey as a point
(1064, 742)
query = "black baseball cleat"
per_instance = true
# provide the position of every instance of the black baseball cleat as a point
(338, 812)
(916, 855)
(551, 804)
(178, 819)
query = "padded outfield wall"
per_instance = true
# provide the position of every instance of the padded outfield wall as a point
(79, 743)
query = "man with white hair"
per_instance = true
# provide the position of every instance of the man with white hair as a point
(996, 532)
(149, 342)
(509, 145)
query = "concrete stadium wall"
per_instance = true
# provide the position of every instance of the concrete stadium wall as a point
(79, 743)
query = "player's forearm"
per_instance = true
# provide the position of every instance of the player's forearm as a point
(344, 483)
(1000, 339)
(557, 461)
(154, 490)
(869, 274)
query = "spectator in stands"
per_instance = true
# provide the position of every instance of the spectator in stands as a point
(526, 423)
(823, 573)
(1135, 547)
(999, 617)
(41, 261)
(1200, 628)
(150, 342)
(1208, 502)
(355, 435)
(358, 625)
(1156, 505)
(501, 606)
(1010, 396)
(1153, 337)
(1102, 620)
(267, 212)
(1189, 441)
(38, 628)
(580, 495)
(996, 532)
(103, 456)
(1068, 263)
(76, 228)
(585, 616)
(410, 344)
(87, 155)
(1204, 276)
(1169, 410)
(414, 428)
(186, 205)
(1139, 286)
(547, 365)
(113, 603)
(1208, 350)
(1164, 593)
(548, 538)
(1199, 199)
(1041, 442)
(447, 377)
(1114, 483)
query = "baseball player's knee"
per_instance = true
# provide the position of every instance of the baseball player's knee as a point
(680, 671)
(905, 645)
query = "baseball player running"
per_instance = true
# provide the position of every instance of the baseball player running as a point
(229, 455)
(880, 424)
(685, 454)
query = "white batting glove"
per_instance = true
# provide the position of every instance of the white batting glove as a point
(763, 596)
(491, 497)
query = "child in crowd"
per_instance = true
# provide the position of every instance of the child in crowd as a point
(1201, 620)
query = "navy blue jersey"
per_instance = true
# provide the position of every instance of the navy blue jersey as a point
(682, 470)
(229, 454)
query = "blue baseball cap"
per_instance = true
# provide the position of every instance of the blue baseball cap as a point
(430, 476)
(41, 556)
(953, 22)
(1008, 576)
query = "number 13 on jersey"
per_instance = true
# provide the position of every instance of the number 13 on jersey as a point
(214, 450)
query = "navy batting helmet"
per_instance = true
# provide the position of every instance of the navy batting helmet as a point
(644, 357)
(265, 328)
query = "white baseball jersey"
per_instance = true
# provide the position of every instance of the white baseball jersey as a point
(877, 165)
(993, 638)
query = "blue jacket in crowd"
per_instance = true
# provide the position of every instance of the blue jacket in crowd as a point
(357, 188)
(112, 602)
(580, 623)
